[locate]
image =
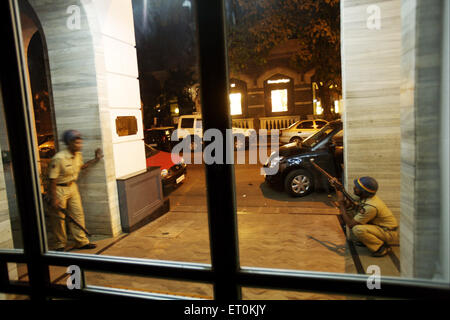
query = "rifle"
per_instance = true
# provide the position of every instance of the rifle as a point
(66, 214)
(336, 184)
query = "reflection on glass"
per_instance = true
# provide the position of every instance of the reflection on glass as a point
(279, 100)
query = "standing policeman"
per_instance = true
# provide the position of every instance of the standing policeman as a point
(63, 174)
(374, 225)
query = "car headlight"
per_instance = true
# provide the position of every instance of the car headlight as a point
(275, 161)
(164, 172)
(269, 159)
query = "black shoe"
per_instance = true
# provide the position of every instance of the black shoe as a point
(88, 246)
(381, 252)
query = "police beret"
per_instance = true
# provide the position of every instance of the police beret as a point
(70, 135)
(367, 184)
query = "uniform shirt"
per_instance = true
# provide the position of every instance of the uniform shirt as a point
(376, 213)
(65, 166)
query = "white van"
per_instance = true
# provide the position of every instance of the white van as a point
(191, 125)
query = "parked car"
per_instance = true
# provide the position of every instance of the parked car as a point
(295, 173)
(301, 130)
(173, 172)
(191, 125)
(159, 138)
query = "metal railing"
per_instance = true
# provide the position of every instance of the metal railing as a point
(271, 123)
(243, 123)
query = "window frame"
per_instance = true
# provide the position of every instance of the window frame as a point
(225, 273)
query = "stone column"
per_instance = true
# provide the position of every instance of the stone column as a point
(420, 114)
(93, 70)
(371, 46)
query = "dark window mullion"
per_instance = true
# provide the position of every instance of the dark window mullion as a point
(219, 177)
(4, 276)
(12, 79)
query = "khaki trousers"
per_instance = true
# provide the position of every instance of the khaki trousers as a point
(374, 236)
(69, 198)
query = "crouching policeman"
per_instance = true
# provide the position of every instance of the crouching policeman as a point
(373, 224)
(63, 174)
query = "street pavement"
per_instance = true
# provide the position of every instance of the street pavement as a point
(274, 230)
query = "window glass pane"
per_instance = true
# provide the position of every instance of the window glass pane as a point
(150, 285)
(114, 72)
(18, 272)
(10, 225)
(6, 296)
(187, 123)
(306, 125)
(390, 165)
(320, 124)
(269, 294)
(279, 100)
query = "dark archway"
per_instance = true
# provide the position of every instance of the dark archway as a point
(42, 100)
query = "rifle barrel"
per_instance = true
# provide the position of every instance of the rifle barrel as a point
(340, 186)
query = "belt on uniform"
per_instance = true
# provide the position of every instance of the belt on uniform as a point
(68, 184)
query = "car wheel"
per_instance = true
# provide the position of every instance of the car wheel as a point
(299, 183)
(296, 140)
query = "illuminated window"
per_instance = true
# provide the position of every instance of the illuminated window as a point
(235, 104)
(278, 81)
(279, 100)
(318, 108)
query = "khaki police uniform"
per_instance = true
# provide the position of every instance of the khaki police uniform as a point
(377, 224)
(64, 168)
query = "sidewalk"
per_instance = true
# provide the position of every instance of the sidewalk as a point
(307, 237)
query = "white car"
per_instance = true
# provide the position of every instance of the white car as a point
(301, 130)
(191, 125)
